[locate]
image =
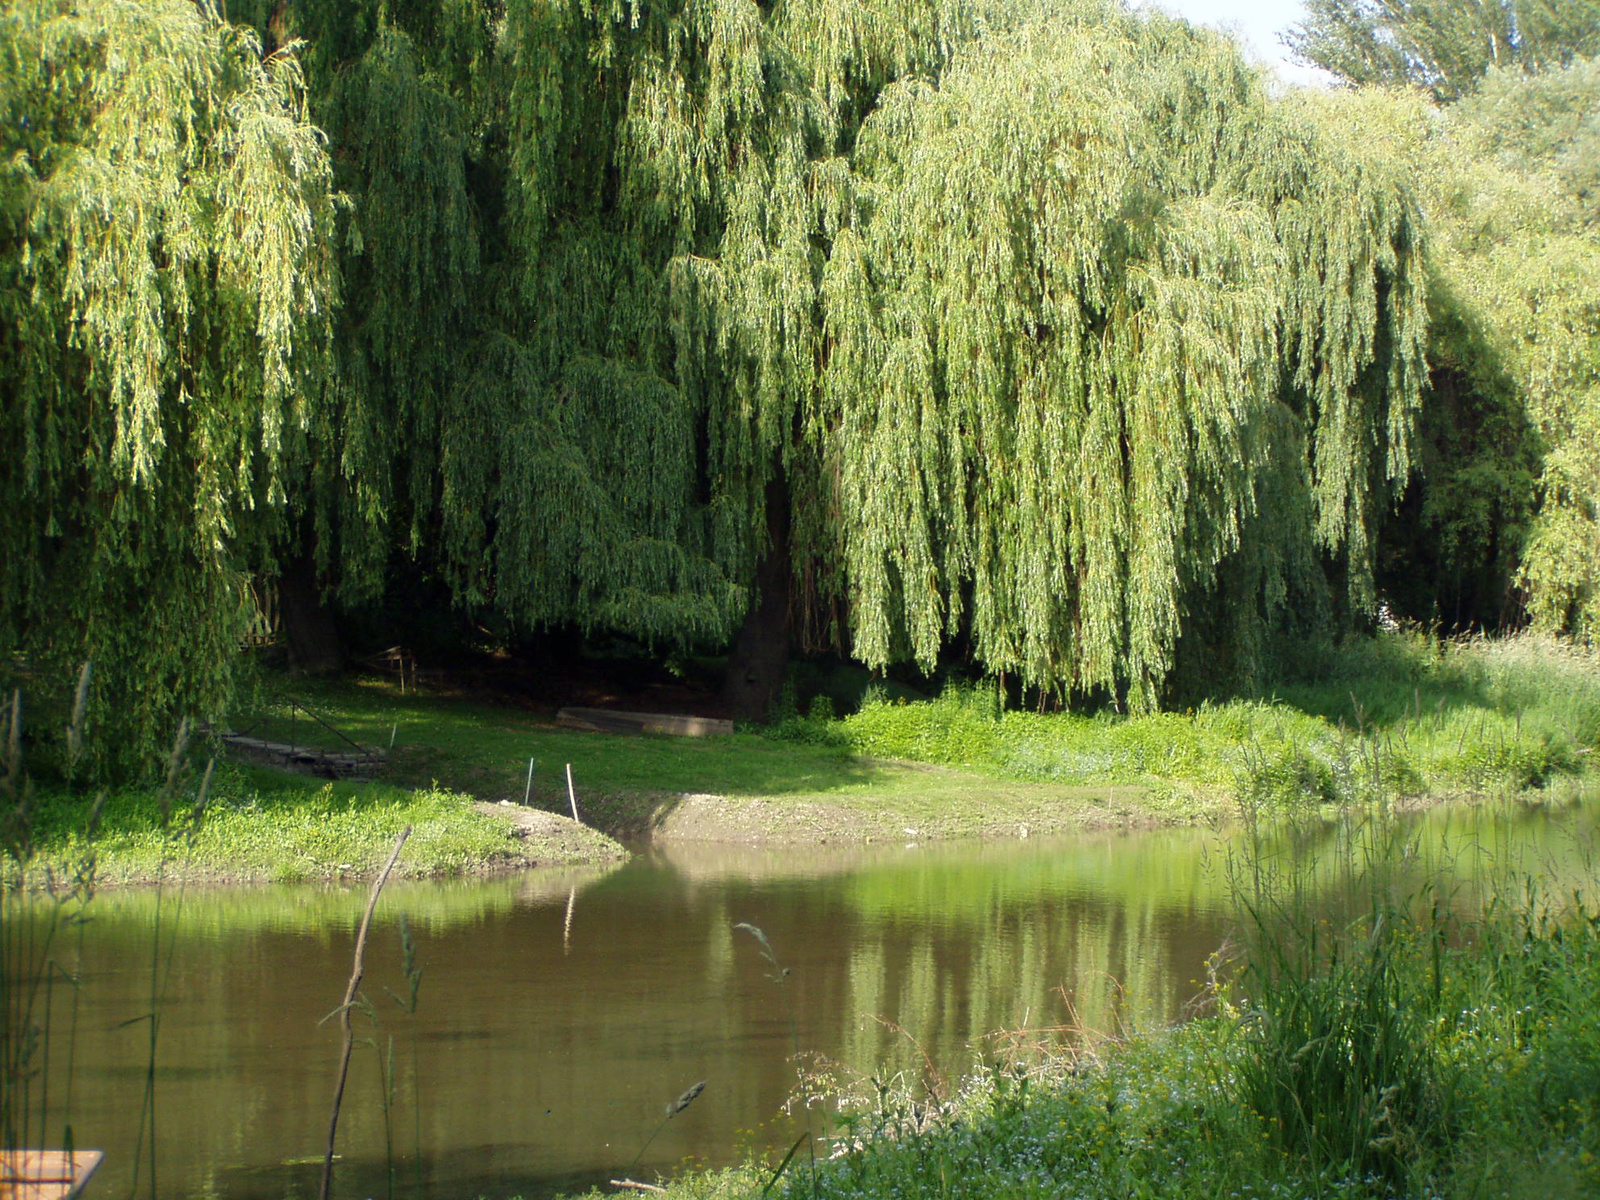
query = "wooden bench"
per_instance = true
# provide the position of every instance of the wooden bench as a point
(605, 720)
(45, 1174)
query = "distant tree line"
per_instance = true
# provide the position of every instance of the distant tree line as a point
(1038, 332)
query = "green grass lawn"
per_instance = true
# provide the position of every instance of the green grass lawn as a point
(260, 825)
(484, 750)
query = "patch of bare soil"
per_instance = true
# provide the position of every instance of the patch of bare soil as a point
(539, 838)
(701, 817)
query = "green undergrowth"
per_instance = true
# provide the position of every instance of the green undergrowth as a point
(264, 826)
(1400, 715)
(625, 783)
(1396, 718)
(1396, 1043)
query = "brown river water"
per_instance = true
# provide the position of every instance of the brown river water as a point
(559, 1012)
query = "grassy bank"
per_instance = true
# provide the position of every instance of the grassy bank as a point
(225, 822)
(1400, 718)
(750, 786)
(1403, 1047)
(262, 826)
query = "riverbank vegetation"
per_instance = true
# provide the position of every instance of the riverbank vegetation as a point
(260, 827)
(235, 823)
(1401, 719)
(1400, 715)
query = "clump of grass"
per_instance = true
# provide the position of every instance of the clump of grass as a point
(29, 967)
(411, 972)
(961, 727)
(1335, 1057)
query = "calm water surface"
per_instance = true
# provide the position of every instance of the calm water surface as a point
(560, 1012)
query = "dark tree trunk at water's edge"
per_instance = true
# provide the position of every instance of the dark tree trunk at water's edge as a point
(760, 655)
(308, 626)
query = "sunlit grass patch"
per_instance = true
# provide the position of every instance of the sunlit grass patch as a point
(264, 826)
(1384, 718)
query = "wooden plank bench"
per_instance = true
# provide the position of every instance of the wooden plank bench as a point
(604, 720)
(328, 764)
(46, 1174)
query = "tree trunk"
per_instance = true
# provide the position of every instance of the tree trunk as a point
(308, 628)
(759, 659)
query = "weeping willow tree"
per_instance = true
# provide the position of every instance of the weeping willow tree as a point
(395, 89)
(165, 278)
(1037, 328)
(1119, 352)
(1034, 329)
(674, 172)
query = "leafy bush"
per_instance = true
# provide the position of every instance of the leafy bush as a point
(961, 726)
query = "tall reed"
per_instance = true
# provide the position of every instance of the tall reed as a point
(779, 975)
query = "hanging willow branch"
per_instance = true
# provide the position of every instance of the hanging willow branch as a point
(165, 275)
(1059, 339)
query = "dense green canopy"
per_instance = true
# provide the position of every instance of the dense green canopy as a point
(1446, 46)
(1038, 331)
(165, 284)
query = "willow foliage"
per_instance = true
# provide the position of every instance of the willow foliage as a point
(1113, 339)
(164, 287)
(672, 168)
(1046, 319)
(1514, 184)
(410, 263)
(1031, 327)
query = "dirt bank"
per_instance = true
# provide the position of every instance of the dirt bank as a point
(1004, 812)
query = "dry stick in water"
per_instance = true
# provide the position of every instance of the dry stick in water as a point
(673, 1109)
(572, 796)
(349, 1002)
